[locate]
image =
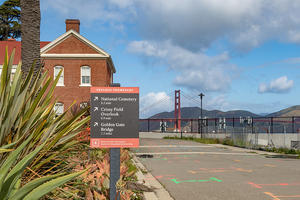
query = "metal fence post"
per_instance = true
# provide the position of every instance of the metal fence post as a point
(198, 125)
(271, 125)
(252, 131)
(215, 125)
(293, 124)
(232, 126)
(201, 127)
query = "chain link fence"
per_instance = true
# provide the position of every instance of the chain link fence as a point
(278, 132)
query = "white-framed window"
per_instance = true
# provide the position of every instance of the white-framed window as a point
(85, 72)
(12, 75)
(13, 71)
(59, 108)
(61, 78)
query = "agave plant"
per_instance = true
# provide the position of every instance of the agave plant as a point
(31, 135)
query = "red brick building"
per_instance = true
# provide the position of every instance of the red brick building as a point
(84, 64)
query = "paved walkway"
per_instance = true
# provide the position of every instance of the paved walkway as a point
(190, 171)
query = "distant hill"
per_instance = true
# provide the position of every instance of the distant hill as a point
(195, 112)
(263, 114)
(288, 112)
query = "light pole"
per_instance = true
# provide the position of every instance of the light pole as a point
(201, 97)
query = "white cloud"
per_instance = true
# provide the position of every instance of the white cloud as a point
(197, 24)
(153, 103)
(194, 24)
(219, 102)
(279, 85)
(195, 70)
(91, 11)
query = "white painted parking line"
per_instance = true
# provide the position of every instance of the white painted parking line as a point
(174, 146)
(201, 152)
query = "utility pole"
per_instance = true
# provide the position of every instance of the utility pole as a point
(201, 124)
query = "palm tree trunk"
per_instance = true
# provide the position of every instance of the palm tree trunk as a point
(30, 34)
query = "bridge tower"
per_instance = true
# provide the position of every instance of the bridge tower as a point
(177, 113)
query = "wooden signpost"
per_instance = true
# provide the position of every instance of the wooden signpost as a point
(114, 124)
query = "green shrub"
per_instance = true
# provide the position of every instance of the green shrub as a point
(31, 136)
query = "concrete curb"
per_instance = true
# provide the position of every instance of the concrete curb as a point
(159, 191)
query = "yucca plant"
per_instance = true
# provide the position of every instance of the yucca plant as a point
(31, 135)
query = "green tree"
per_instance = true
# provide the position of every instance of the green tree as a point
(10, 19)
(30, 29)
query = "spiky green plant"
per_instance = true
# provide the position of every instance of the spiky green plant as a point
(31, 136)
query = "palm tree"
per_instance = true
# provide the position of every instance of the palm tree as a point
(30, 34)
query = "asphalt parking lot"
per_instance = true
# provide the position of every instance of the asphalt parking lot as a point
(190, 170)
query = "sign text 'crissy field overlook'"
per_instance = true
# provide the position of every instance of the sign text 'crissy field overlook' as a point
(114, 117)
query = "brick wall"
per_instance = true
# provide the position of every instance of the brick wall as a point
(72, 45)
(73, 24)
(100, 76)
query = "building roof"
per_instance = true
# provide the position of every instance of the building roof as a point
(57, 41)
(46, 46)
(13, 44)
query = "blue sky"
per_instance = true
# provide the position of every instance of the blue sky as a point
(241, 56)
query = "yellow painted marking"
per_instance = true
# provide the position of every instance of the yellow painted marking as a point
(272, 195)
(268, 165)
(217, 170)
(193, 172)
(243, 170)
(236, 160)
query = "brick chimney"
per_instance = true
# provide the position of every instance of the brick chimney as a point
(72, 24)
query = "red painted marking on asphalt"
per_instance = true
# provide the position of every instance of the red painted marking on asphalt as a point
(283, 184)
(278, 184)
(294, 184)
(254, 185)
